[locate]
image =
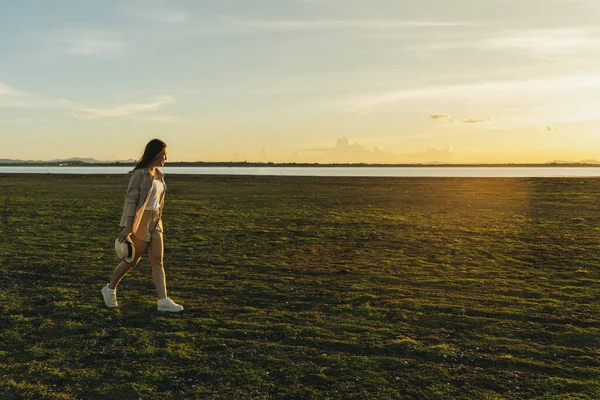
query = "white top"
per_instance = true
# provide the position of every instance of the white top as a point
(155, 194)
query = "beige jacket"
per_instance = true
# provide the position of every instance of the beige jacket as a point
(137, 196)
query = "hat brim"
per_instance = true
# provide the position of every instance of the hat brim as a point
(125, 250)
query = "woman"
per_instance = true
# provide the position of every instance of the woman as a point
(142, 224)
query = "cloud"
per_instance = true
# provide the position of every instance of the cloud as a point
(445, 118)
(168, 17)
(319, 3)
(346, 151)
(121, 110)
(6, 90)
(539, 43)
(13, 98)
(14, 121)
(165, 119)
(87, 42)
(157, 12)
(476, 121)
(552, 86)
(431, 154)
(354, 111)
(336, 24)
(545, 42)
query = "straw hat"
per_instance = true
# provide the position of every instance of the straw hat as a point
(125, 250)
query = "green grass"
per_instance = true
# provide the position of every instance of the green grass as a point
(306, 288)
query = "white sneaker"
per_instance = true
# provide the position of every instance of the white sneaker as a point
(110, 297)
(167, 304)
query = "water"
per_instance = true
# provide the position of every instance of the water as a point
(482, 172)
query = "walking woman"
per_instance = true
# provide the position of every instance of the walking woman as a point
(143, 226)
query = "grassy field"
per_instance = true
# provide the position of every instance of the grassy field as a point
(306, 288)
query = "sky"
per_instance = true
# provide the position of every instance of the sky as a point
(378, 81)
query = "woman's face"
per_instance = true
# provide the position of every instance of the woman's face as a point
(160, 159)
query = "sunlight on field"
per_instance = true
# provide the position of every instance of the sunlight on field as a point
(388, 288)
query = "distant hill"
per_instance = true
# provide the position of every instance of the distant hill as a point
(68, 161)
(591, 161)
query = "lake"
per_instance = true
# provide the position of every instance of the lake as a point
(476, 172)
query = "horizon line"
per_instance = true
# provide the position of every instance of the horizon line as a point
(79, 162)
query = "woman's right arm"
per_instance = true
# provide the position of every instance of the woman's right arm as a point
(133, 193)
(131, 199)
(127, 231)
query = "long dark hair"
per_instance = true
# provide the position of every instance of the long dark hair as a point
(152, 149)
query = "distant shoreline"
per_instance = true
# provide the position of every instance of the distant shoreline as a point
(296, 165)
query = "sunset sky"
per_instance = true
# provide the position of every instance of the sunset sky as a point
(387, 81)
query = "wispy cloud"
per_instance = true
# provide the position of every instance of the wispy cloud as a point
(445, 118)
(157, 12)
(121, 110)
(335, 24)
(317, 2)
(6, 90)
(346, 151)
(538, 43)
(583, 4)
(477, 121)
(354, 111)
(163, 119)
(87, 42)
(349, 151)
(442, 118)
(546, 86)
(546, 42)
(13, 98)
(168, 17)
(431, 154)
